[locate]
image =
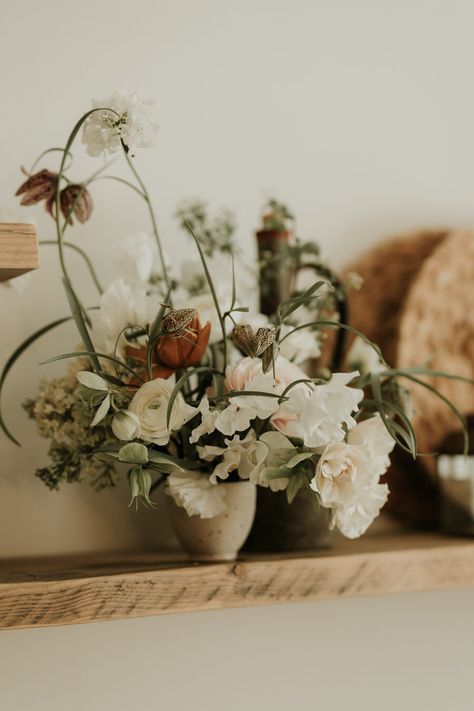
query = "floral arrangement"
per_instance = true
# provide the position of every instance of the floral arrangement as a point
(178, 381)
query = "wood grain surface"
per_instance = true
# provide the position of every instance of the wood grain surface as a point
(80, 589)
(18, 249)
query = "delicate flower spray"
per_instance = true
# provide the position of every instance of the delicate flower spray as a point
(178, 382)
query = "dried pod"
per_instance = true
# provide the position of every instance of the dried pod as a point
(264, 339)
(244, 338)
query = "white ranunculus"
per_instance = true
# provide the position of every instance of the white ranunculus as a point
(348, 483)
(150, 405)
(194, 492)
(126, 425)
(120, 306)
(320, 415)
(137, 257)
(245, 456)
(128, 120)
(374, 436)
(208, 421)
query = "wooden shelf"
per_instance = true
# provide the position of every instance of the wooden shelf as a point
(18, 249)
(61, 591)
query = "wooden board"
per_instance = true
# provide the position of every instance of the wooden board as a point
(18, 249)
(86, 589)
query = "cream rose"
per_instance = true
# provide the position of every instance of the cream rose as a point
(150, 405)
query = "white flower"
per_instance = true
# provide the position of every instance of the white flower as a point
(245, 408)
(208, 421)
(245, 456)
(373, 435)
(354, 520)
(300, 346)
(363, 357)
(150, 405)
(320, 415)
(120, 306)
(348, 483)
(239, 376)
(137, 257)
(128, 120)
(194, 492)
(126, 425)
(279, 452)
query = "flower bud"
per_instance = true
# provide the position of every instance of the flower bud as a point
(126, 425)
(140, 485)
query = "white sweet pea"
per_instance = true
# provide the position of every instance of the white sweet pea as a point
(242, 409)
(125, 118)
(300, 346)
(208, 421)
(126, 425)
(373, 435)
(120, 306)
(320, 415)
(138, 257)
(195, 493)
(245, 456)
(150, 405)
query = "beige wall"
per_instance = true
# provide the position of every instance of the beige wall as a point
(360, 115)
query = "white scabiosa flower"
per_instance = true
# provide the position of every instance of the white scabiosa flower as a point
(194, 492)
(123, 118)
(150, 405)
(137, 258)
(122, 305)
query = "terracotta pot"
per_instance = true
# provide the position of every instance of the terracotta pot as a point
(221, 537)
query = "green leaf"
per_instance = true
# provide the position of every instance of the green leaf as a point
(77, 314)
(297, 458)
(102, 411)
(164, 459)
(92, 380)
(133, 453)
(14, 357)
(286, 308)
(295, 483)
(119, 362)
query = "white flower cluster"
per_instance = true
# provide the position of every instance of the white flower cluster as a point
(120, 118)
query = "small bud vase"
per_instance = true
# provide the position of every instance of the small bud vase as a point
(219, 538)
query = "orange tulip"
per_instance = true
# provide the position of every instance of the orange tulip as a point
(186, 347)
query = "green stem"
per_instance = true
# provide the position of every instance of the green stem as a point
(154, 225)
(87, 260)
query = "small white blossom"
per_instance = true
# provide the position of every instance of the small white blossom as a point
(208, 421)
(245, 408)
(194, 492)
(125, 118)
(245, 456)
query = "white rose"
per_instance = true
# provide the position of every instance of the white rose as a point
(126, 425)
(150, 405)
(374, 436)
(194, 492)
(347, 483)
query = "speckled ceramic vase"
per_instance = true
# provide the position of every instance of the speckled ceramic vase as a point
(221, 537)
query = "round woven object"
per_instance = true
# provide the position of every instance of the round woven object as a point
(417, 304)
